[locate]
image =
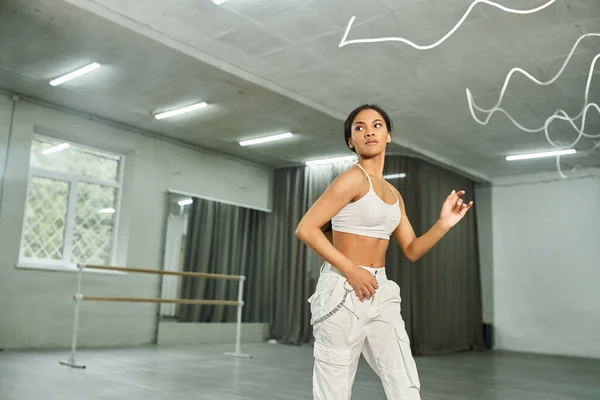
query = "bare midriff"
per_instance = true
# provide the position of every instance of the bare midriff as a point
(361, 250)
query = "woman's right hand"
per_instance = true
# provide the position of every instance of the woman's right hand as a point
(364, 283)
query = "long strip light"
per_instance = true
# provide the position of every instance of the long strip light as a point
(393, 176)
(107, 211)
(56, 149)
(266, 139)
(217, 2)
(180, 111)
(540, 154)
(185, 202)
(75, 74)
(330, 160)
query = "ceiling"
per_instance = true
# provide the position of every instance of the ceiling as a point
(271, 66)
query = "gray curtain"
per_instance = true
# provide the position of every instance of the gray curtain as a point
(225, 239)
(296, 267)
(441, 293)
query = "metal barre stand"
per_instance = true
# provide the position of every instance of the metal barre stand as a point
(78, 297)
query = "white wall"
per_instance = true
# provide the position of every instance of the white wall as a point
(546, 234)
(36, 306)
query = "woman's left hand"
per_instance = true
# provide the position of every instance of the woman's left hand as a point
(454, 209)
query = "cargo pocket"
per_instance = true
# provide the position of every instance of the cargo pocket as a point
(410, 367)
(324, 290)
(331, 355)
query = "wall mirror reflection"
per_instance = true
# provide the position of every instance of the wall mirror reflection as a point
(208, 236)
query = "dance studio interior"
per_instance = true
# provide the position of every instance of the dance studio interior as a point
(157, 159)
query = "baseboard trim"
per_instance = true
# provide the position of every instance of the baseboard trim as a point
(175, 333)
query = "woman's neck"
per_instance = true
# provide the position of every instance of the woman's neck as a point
(373, 166)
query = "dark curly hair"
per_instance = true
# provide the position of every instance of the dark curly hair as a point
(350, 120)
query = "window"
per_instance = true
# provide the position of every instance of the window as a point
(72, 205)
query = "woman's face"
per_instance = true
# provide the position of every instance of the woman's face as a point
(370, 134)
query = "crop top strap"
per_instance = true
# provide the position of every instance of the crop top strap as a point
(393, 191)
(370, 184)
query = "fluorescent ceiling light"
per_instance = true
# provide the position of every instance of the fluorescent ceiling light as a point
(75, 74)
(330, 160)
(393, 176)
(107, 211)
(185, 202)
(217, 2)
(540, 155)
(56, 149)
(266, 139)
(182, 110)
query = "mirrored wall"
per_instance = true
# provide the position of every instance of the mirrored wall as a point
(213, 237)
(178, 207)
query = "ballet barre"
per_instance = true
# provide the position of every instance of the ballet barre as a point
(79, 297)
(161, 272)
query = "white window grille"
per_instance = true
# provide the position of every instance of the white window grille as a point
(73, 201)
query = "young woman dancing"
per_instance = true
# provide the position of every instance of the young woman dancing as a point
(355, 308)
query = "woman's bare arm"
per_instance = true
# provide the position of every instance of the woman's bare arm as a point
(412, 246)
(342, 190)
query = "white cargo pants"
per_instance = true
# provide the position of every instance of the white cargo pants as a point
(345, 329)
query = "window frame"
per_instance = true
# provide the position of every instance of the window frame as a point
(73, 180)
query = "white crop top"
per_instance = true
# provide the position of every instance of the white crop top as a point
(368, 216)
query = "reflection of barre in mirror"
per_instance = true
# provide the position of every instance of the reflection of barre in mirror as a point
(345, 42)
(559, 114)
(79, 297)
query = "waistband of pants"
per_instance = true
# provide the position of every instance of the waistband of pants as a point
(378, 273)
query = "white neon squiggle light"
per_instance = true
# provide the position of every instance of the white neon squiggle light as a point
(559, 114)
(345, 42)
(497, 108)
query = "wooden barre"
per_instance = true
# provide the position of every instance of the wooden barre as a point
(161, 272)
(179, 301)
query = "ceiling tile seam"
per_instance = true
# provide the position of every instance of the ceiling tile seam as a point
(292, 44)
(336, 31)
(198, 54)
(145, 30)
(291, 75)
(217, 67)
(320, 18)
(253, 22)
(299, 43)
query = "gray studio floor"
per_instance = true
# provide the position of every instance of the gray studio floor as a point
(280, 372)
